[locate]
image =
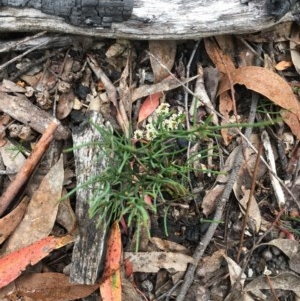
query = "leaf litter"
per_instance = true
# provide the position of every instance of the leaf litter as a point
(126, 83)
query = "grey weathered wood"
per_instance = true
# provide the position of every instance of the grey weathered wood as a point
(158, 19)
(89, 249)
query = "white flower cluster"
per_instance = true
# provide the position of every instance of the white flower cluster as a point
(171, 123)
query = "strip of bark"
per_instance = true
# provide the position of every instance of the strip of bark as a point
(28, 167)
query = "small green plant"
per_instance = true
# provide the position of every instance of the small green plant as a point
(147, 169)
(150, 168)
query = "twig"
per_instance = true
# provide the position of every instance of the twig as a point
(112, 94)
(201, 93)
(16, 44)
(249, 202)
(22, 55)
(189, 276)
(28, 167)
(186, 96)
(271, 160)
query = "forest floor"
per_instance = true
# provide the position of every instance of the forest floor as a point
(200, 141)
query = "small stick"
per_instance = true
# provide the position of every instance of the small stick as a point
(28, 167)
(279, 194)
(246, 216)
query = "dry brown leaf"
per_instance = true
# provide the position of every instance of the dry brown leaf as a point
(283, 65)
(291, 248)
(48, 287)
(12, 158)
(129, 291)
(41, 212)
(284, 281)
(211, 198)
(265, 82)
(292, 121)
(210, 264)
(222, 61)
(235, 271)
(165, 52)
(225, 107)
(152, 262)
(254, 217)
(294, 44)
(9, 222)
(168, 246)
(65, 104)
(66, 216)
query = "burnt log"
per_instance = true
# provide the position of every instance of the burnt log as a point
(164, 19)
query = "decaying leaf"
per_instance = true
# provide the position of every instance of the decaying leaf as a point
(164, 51)
(284, 281)
(41, 212)
(12, 265)
(12, 158)
(291, 248)
(152, 262)
(48, 287)
(211, 198)
(9, 222)
(283, 65)
(110, 288)
(169, 246)
(294, 43)
(254, 217)
(265, 82)
(292, 121)
(222, 61)
(235, 271)
(210, 264)
(65, 104)
(66, 216)
(149, 106)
